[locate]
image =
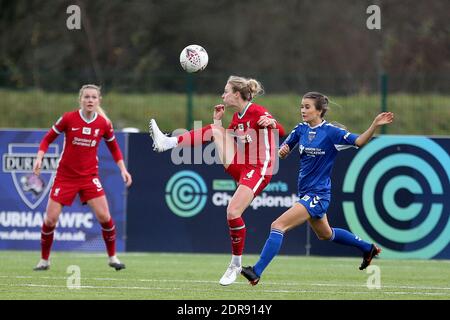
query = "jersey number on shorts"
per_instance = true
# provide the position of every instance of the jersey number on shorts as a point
(250, 174)
(98, 184)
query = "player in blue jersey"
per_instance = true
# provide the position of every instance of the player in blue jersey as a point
(318, 143)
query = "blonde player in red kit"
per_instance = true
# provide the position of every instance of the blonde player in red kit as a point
(77, 171)
(246, 149)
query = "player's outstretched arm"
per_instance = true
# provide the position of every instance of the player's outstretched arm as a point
(381, 119)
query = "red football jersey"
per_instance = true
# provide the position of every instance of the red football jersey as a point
(255, 145)
(81, 140)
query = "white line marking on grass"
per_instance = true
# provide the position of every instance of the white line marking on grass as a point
(87, 287)
(102, 255)
(291, 283)
(31, 285)
(383, 286)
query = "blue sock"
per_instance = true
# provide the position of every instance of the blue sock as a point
(270, 250)
(349, 239)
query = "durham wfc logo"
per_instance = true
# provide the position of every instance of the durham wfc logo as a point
(19, 162)
(400, 191)
(186, 193)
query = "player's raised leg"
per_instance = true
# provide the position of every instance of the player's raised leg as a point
(161, 142)
(193, 138)
(225, 145)
(324, 232)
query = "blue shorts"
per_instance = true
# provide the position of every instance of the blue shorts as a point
(316, 205)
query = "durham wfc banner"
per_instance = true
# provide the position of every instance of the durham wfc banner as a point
(23, 196)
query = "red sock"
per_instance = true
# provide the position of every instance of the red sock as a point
(109, 235)
(46, 240)
(237, 233)
(195, 138)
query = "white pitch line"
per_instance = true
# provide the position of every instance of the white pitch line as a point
(86, 287)
(220, 290)
(383, 286)
(237, 282)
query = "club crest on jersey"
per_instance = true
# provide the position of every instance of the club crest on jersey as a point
(311, 135)
(96, 132)
(86, 130)
(19, 162)
(301, 148)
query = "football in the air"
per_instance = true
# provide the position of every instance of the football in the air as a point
(193, 58)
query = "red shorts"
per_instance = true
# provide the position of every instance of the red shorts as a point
(250, 176)
(65, 190)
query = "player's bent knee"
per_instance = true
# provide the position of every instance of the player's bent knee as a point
(325, 236)
(233, 213)
(278, 225)
(50, 221)
(104, 218)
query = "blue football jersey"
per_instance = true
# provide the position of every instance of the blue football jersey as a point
(318, 147)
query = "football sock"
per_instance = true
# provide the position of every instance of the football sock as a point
(236, 260)
(237, 234)
(196, 137)
(270, 250)
(349, 239)
(47, 234)
(109, 236)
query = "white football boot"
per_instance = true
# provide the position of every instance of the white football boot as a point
(42, 265)
(161, 142)
(115, 263)
(230, 275)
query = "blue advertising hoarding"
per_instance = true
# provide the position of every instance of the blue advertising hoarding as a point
(182, 208)
(23, 196)
(395, 192)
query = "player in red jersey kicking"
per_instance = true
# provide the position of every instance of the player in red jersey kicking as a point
(246, 149)
(77, 171)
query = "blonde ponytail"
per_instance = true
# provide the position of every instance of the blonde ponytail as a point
(102, 112)
(248, 88)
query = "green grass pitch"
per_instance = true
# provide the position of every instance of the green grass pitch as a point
(156, 276)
